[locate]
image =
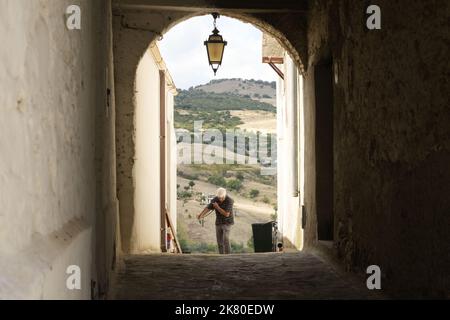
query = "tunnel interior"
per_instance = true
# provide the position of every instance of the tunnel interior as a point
(376, 140)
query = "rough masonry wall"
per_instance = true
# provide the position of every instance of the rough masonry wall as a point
(107, 234)
(129, 47)
(391, 139)
(48, 77)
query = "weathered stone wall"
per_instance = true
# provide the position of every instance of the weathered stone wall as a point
(129, 47)
(53, 84)
(107, 230)
(391, 139)
(138, 129)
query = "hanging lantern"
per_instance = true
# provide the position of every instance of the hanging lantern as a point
(215, 46)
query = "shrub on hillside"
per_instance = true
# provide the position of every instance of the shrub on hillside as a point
(254, 193)
(234, 185)
(217, 180)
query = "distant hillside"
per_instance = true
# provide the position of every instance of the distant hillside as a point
(199, 100)
(259, 90)
(217, 102)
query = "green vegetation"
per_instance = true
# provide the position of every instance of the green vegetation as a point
(217, 180)
(210, 248)
(201, 247)
(216, 173)
(214, 109)
(212, 119)
(220, 181)
(274, 216)
(184, 195)
(189, 246)
(234, 185)
(247, 81)
(254, 193)
(199, 100)
(187, 176)
(250, 243)
(239, 248)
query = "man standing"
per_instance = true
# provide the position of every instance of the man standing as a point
(223, 205)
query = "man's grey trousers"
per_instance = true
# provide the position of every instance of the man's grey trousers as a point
(223, 238)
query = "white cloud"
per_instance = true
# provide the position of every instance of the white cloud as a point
(185, 54)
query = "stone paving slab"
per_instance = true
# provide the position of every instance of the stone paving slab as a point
(252, 276)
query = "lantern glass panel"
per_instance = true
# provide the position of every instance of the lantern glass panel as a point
(215, 51)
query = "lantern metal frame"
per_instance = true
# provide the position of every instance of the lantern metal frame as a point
(215, 37)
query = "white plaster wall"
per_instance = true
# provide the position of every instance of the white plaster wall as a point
(39, 271)
(289, 212)
(171, 175)
(47, 146)
(146, 172)
(146, 221)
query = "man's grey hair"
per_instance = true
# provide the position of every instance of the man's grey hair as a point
(221, 192)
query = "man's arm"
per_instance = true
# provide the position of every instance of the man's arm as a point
(200, 216)
(225, 213)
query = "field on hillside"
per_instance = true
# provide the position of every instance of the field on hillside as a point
(256, 120)
(259, 90)
(255, 197)
(202, 239)
(226, 104)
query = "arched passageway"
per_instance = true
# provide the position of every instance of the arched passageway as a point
(68, 136)
(332, 63)
(134, 32)
(135, 29)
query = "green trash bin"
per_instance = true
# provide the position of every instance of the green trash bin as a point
(263, 236)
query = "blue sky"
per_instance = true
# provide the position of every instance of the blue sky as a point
(185, 54)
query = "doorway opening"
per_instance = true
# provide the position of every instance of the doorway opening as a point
(323, 75)
(147, 143)
(226, 129)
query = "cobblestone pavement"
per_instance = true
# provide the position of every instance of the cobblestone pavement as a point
(253, 276)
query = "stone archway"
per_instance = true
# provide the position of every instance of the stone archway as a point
(135, 27)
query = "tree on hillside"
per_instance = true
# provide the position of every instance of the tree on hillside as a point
(254, 193)
(192, 185)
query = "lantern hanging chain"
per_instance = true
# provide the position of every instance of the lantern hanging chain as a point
(215, 15)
